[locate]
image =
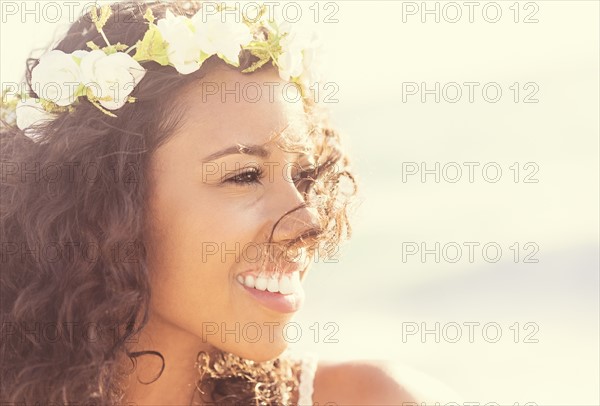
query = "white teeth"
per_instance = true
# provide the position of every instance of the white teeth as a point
(249, 281)
(295, 280)
(286, 284)
(273, 285)
(261, 283)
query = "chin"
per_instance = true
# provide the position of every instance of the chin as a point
(261, 351)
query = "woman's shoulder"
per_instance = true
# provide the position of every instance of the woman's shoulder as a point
(369, 382)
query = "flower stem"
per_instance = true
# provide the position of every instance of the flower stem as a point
(131, 48)
(104, 36)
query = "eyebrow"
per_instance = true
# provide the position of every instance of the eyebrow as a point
(246, 149)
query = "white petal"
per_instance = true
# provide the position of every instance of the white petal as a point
(225, 39)
(56, 77)
(183, 50)
(170, 15)
(30, 112)
(88, 64)
(80, 53)
(187, 67)
(124, 62)
(231, 55)
(290, 63)
(284, 74)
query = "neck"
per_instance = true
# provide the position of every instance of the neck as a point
(177, 383)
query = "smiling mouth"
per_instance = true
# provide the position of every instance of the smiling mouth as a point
(283, 283)
(281, 293)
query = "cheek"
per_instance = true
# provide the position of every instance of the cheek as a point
(192, 258)
(178, 231)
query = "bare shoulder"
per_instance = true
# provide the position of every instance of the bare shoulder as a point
(373, 382)
(359, 383)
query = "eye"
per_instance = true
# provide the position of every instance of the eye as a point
(246, 178)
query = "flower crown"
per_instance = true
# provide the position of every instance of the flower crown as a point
(107, 76)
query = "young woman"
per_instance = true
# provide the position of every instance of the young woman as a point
(164, 191)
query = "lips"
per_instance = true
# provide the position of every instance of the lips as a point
(281, 292)
(276, 287)
(276, 301)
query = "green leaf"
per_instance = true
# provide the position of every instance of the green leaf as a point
(81, 90)
(120, 47)
(94, 15)
(91, 97)
(256, 65)
(102, 109)
(94, 100)
(149, 16)
(105, 13)
(92, 46)
(113, 49)
(264, 51)
(152, 47)
(52, 107)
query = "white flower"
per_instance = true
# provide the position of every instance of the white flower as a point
(112, 77)
(183, 51)
(31, 112)
(269, 18)
(224, 38)
(56, 78)
(298, 54)
(291, 59)
(78, 55)
(311, 60)
(284, 25)
(290, 64)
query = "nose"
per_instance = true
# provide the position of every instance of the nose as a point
(298, 223)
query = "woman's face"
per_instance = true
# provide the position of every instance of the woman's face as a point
(211, 216)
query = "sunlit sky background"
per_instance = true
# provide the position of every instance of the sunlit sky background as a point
(369, 53)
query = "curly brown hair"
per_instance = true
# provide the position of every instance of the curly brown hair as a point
(73, 253)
